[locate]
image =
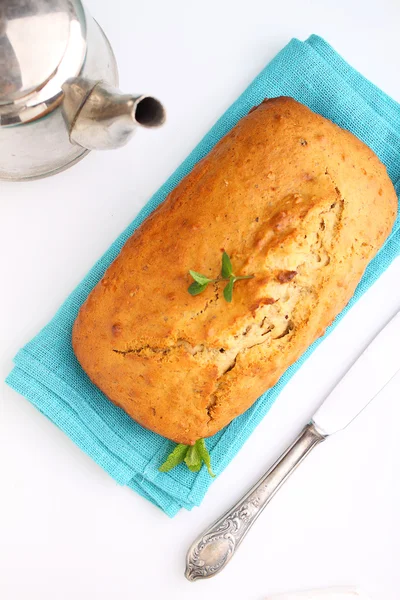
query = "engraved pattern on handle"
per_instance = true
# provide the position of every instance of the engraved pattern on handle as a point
(214, 548)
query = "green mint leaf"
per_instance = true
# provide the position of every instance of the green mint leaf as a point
(196, 288)
(228, 290)
(193, 460)
(226, 270)
(193, 456)
(202, 279)
(204, 455)
(177, 456)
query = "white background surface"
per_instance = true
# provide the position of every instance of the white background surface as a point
(67, 530)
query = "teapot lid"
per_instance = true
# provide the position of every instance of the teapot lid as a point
(42, 44)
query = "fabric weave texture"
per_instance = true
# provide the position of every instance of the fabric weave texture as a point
(46, 371)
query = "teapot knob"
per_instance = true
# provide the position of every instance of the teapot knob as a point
(101, 117)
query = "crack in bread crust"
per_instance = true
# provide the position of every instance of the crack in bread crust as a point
(256, 333)
(294, 200)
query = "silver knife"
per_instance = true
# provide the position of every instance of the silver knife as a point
(376, 366)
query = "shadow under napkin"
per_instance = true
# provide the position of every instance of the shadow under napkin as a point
(46, 371)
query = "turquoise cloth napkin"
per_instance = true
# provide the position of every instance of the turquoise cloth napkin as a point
(46, 371)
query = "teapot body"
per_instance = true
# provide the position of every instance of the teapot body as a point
(58, 94)
(42, 146)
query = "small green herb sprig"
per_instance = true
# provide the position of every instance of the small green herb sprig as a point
(201, 281)
(193, 456)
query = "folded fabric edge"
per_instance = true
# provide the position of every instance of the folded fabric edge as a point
(64, 392)
(61, 415)
(147, 471)
(59, 411)
(167, 504)
(78, 433)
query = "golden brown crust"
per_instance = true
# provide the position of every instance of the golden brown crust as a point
(296, 201)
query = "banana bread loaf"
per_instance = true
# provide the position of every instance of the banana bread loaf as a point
(295, 201)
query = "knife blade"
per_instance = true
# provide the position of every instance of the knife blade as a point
(371, 372)
(376, 366)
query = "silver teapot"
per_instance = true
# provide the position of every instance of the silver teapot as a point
(58, 90)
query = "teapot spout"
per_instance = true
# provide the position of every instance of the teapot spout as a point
(100, 117)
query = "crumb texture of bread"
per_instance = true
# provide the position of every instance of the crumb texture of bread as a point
(293, 199)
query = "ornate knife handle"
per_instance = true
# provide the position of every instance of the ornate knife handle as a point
(214, 548)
